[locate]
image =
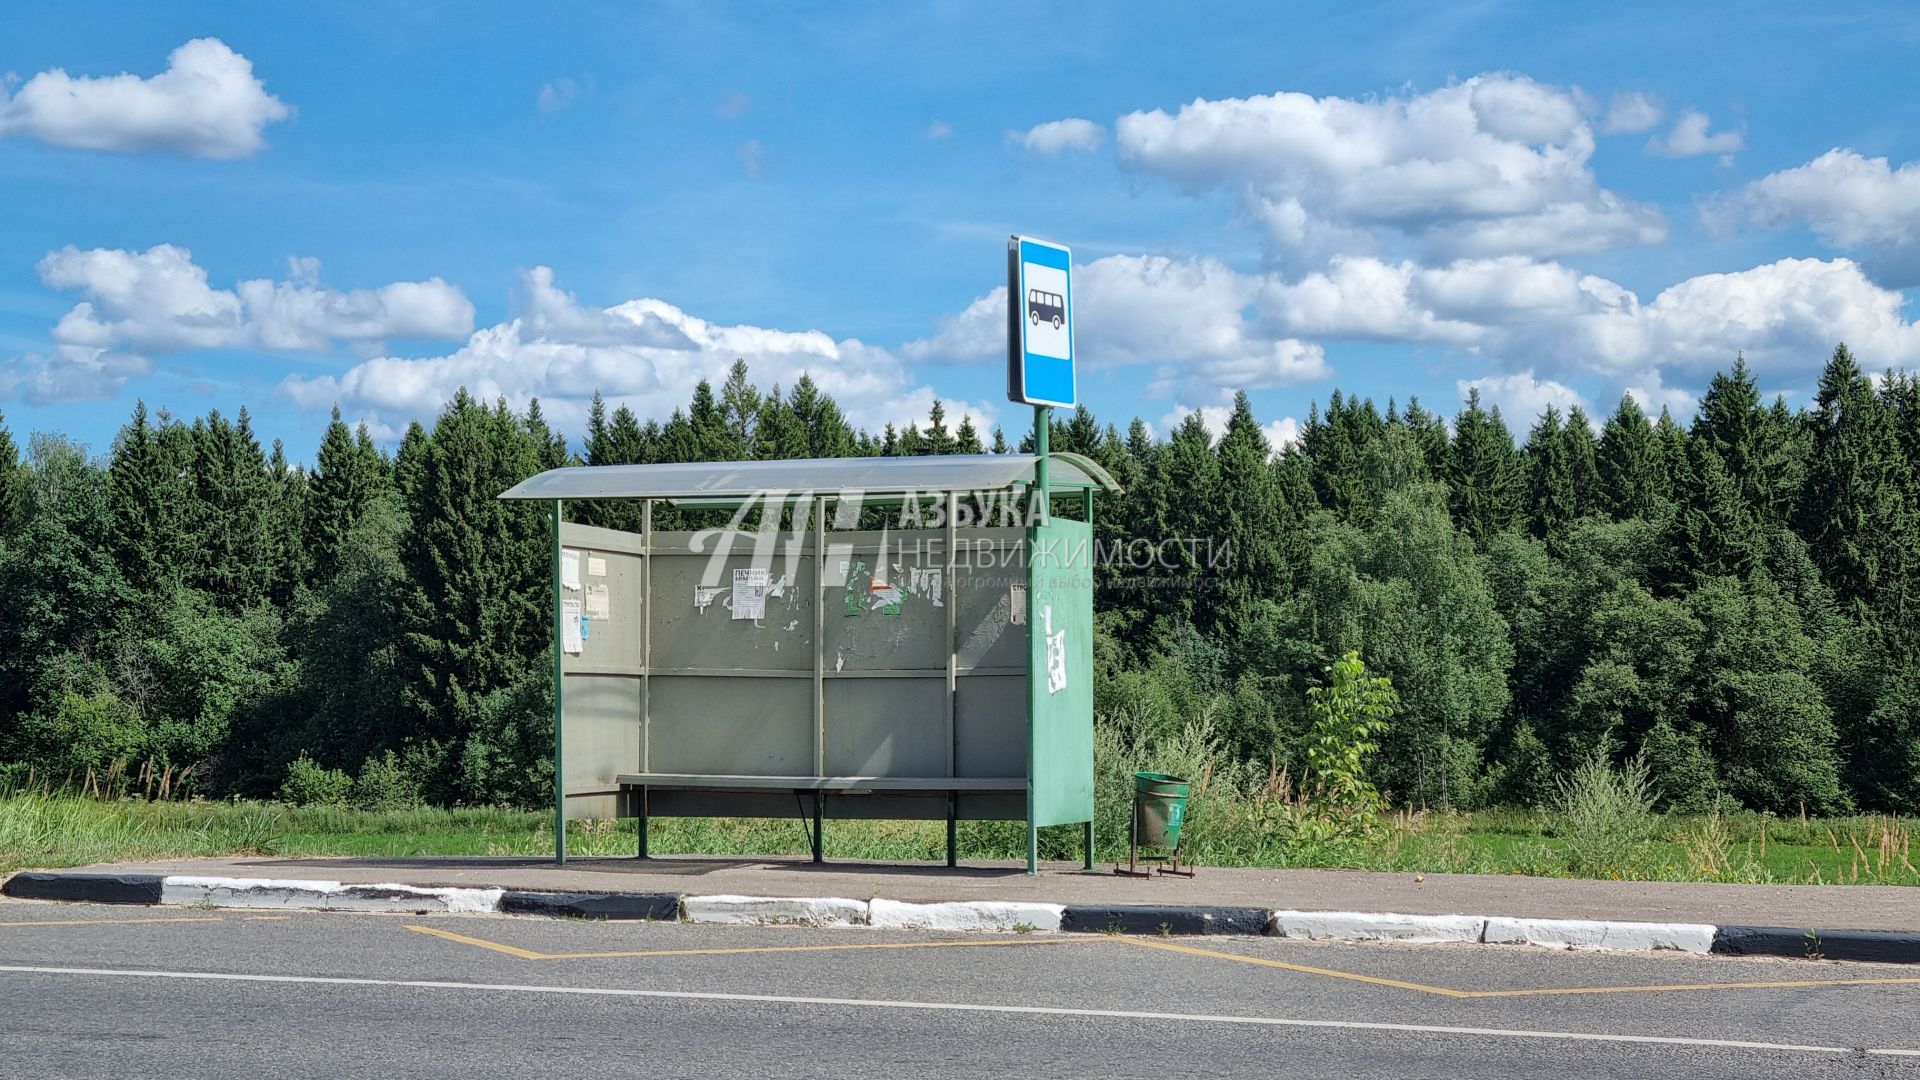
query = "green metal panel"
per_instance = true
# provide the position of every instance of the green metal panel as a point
(1060, 679)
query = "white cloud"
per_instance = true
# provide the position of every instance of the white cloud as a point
(1850, 201)
(558, 94)
(70, 373)
(1632, 112)
(646, 354)
(938, 131)
(1280, 434)
(158, 300)
(1058, 136)
(1521, 397)
(1494, 165)
(1690, 138)
(753, 157)
(208, 103)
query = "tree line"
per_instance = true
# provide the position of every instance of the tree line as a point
(1734, 600)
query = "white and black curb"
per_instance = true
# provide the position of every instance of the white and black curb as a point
(1874, 946)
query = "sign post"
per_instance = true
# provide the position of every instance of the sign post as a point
(1040, 372)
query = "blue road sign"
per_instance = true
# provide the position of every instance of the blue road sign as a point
(1039, 323)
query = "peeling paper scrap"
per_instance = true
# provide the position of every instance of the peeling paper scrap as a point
(703, 596)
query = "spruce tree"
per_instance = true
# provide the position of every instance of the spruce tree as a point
(966, 439)
(475, 615)
(1550, 493)
(999, 441)
(285, 527)
(938, 439)
(1250, 511)
(1632, 481)
(740, 414)
(148, 496)
(1853, 504)
(1582, 466)
(13, 484)
(1485, 474)
(407, 460)
(549, 446)
(778, 432)
(233, 503)
(1430, 435)
(343, 484)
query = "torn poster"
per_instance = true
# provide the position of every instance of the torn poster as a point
(599, 602)
(596, 566)
(1017, 604)
(883, 598)
(570, 569)
(927, 583)
(703, 596)
(571, 639)
(1056, 652)
(750, 594)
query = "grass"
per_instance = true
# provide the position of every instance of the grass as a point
(39, 829)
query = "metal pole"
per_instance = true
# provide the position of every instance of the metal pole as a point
(559, 745)
(1087, 840)
(1039, 513)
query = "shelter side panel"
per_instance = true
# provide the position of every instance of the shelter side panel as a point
(886, 726)
(1060, 561)
(602, 658)
(732, 605)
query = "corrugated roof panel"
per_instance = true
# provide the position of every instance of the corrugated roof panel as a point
(869, 475)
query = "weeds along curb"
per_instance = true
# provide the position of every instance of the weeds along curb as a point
(1871, 946)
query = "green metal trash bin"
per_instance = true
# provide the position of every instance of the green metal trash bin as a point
(1159, 812)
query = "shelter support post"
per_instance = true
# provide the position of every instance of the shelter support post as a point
(1087, 841)
(953, 828)
(819, 837)
(1042, 422)
(559, 675)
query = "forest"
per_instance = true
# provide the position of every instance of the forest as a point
(1730, 600)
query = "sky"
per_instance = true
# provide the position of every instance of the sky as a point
(371, 205)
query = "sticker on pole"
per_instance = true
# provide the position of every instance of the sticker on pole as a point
(1039, 323)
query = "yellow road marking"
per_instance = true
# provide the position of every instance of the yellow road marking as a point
(105, 922)
(1156, 943)
(1540, 992)
(1145, 942)
(529, 954)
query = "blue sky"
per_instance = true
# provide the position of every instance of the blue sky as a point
(218, 205)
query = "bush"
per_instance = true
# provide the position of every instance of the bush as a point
(81, 732)
(383, 784)
(1604, 815)
(308, 784)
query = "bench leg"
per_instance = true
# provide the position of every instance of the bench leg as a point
(1088, 842)
(819, 840)
(953, 829)
(643, 824)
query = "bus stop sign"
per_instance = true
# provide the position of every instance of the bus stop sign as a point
(1039, 323)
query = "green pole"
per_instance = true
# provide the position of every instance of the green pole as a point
(1041, 511)
(559, 635)
(1086, 846)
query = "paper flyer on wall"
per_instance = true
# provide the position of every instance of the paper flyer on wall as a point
(750, 593)
(571, 640)
(599, 602)
(570, 569)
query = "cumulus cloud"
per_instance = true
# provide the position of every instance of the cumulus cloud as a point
(1851, 202)
(558, 94)
(646, 354)
(1632, 112)
(1690, 138)
(938, 131)
(1059, 136)
(159, 300)
(208, 103)
(1497, 164)
(70, 373)
(1521, 397)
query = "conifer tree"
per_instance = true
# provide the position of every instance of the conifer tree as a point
(1550, 494)
(344, 483)
(1582, 467)
(1430, 435)
(232, 499)
(778, 433)
(1249, 509)
(1485, 474)
(966, 440)
(149, 495)
(827, 431)
(1632, 480)
(999, 441)
(407, 460)
(1853, 502)
(13, 484)
(285, 524)
(938, 439)
(549, 446)
(739, 413)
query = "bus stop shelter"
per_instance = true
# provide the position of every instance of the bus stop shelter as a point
(900, 638)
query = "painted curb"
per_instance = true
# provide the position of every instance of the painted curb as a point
(1163, 919)
(324, 895)
(1588, 934)
(1385, 926)
(657, 907)
(84, 888)
(1867, 946)
(775, 910)
(965, 915)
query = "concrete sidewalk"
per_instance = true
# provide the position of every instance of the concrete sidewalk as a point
(1833, 907)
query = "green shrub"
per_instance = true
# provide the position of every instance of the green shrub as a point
(81, 732)
(308, 784)
(384, 784)
(1604, 815)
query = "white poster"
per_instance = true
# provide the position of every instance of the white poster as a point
(571, 640)
(570, 569)
(596, 566)
(1017, 604)
(599, 602)
(750, 593)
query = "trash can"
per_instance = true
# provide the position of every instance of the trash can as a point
(1159, 811)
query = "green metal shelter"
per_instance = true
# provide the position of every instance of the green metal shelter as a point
(863, 638)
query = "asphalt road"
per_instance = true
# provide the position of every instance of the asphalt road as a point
(132, 992)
